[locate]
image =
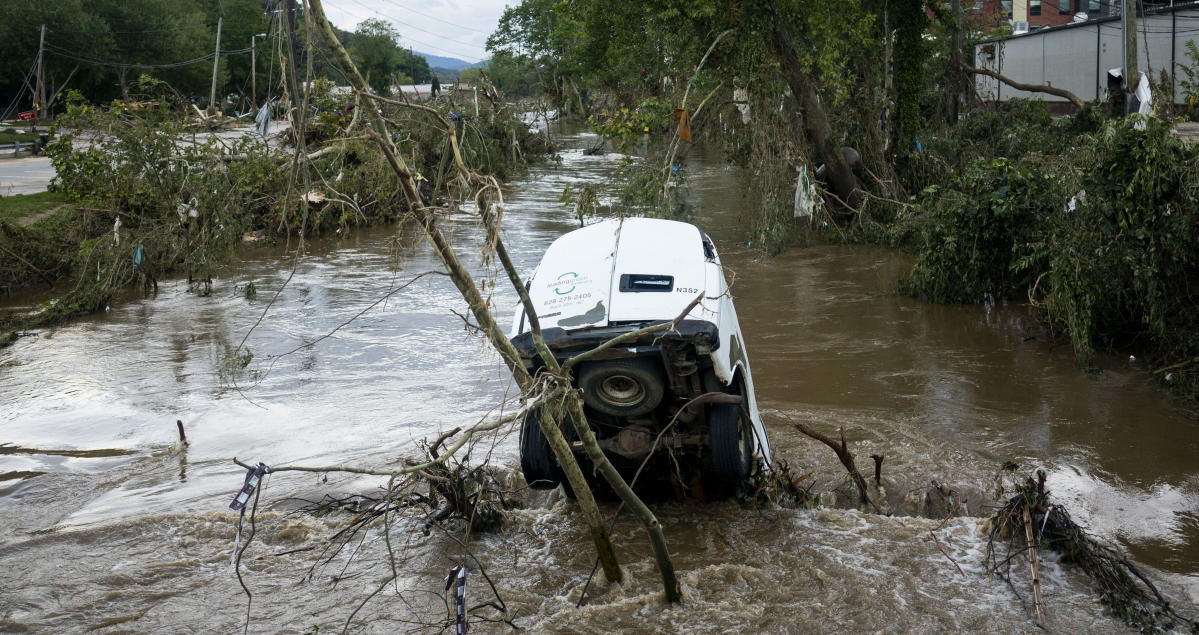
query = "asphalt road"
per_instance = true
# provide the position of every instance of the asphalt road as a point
(29, 175)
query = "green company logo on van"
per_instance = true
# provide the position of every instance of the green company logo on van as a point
(570, 278)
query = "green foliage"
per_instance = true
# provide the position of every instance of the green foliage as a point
(333, 112)
(977, 227)
(135, 32)
(1100, 229)
(1190, 78)
(375, 49)
(35, 251)
(652, 116)
(909, 20)
(146, 198)
(242, 21)
(516, 77)
(13, 208)
(1125, 259)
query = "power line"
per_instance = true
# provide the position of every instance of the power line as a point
(20, 92)
(103, 32)
(458, 26)
(400, 23)
(71, 55)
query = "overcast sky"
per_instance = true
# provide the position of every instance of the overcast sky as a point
(450, 28)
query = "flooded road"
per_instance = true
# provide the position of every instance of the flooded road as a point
(105, 525)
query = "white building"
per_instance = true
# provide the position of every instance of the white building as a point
(1077, 56)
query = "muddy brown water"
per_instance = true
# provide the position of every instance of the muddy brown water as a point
(108, 527)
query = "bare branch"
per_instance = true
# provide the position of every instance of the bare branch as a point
(1032, 88)
(632, 335)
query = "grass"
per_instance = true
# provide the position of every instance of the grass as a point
(10, 134)
(19, 206)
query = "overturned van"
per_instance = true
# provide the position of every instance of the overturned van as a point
(643, 398)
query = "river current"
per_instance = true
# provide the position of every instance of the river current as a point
(106, 525)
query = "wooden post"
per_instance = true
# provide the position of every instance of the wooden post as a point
(292, 71)
(1032, 565)
(216, 61)
(40, 94)
(957, 79)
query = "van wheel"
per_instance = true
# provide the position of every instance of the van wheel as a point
(732, 447)
(623, 387)
(536, 460)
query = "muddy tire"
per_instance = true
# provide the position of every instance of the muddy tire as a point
(732, 445)
(537, 461)
(623, 387)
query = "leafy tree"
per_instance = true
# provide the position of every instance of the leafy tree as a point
(69, 26)
(414, 66)
(154, 32)
(515, 76)
(375, 49)
(541, 35)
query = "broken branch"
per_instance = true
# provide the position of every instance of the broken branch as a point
(842, 450)
(1032, 88)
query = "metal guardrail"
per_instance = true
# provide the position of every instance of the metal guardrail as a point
(22, 148)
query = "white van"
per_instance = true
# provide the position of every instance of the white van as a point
(616, 276)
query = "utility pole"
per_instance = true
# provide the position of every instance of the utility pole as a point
(957, 77)
(40, 94)
(216, 60)
(1131, 76)
(253, 73)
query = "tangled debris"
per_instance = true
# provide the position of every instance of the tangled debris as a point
(1121, 586)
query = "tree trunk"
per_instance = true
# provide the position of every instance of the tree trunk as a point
(122, 71)
(466, 286)
(820, 133)
(670, 583)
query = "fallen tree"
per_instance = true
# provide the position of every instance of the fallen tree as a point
(489, 204)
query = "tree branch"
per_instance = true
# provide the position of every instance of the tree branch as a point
(631, 336)
(842, 450)
(1032, 88)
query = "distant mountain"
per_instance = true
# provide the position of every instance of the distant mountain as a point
(451, 63)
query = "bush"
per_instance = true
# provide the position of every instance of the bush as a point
(1103, 234)
(1127, 257)
(977, 231)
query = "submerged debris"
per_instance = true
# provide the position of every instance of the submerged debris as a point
(1126, 591)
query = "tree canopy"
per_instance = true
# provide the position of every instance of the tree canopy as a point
(103, 46)
(375, 49)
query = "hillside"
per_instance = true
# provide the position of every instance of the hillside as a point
(452, 63)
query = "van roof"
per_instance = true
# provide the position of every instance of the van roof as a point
(621, 270)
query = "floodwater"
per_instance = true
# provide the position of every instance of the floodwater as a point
(106, 525)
